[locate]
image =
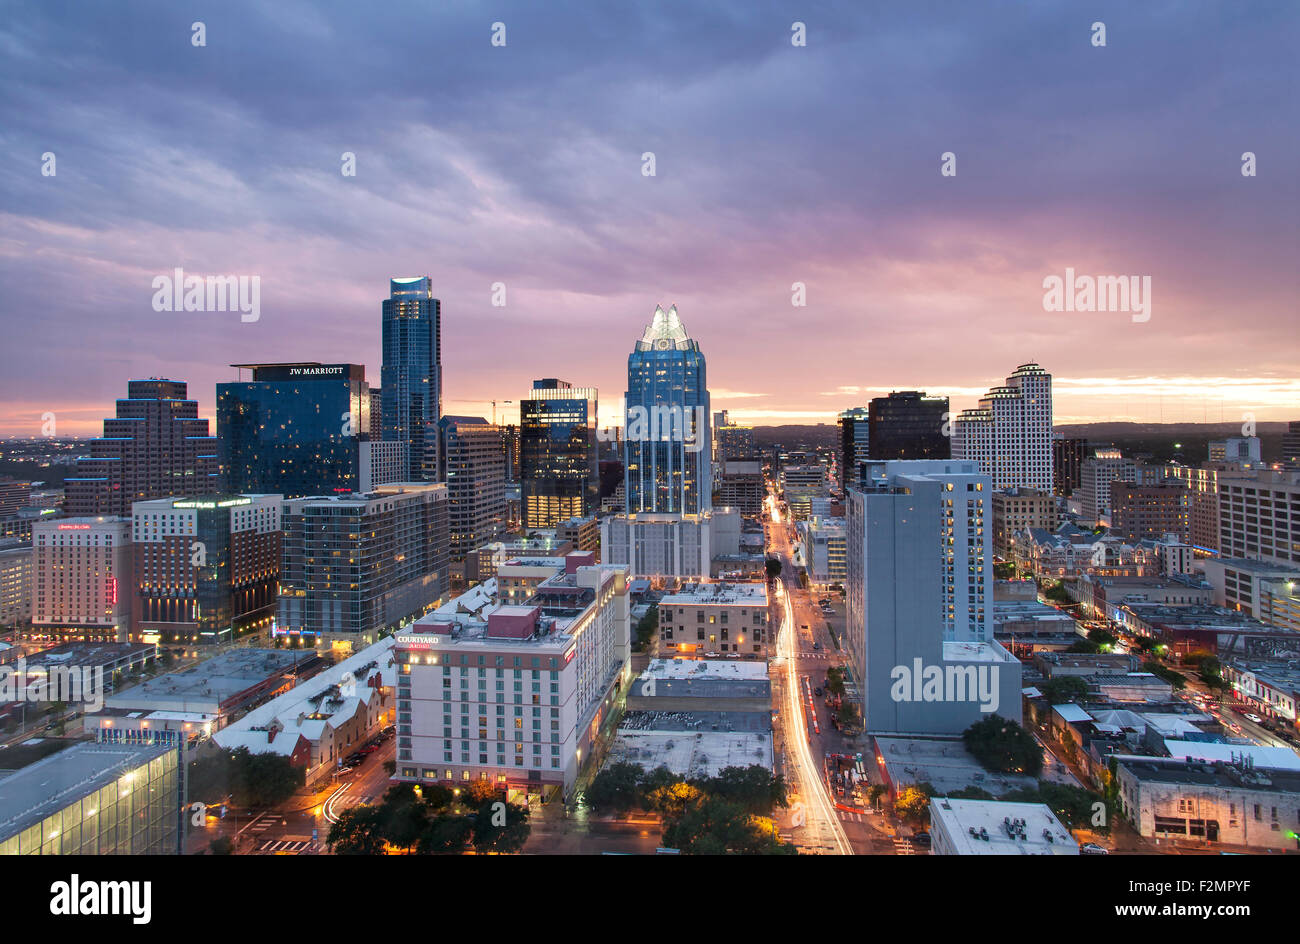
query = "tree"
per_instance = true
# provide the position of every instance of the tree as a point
(717, 827)
(616, 789)
(250, 780)
(752, 788)
(1176, 679)
(500, 827)
(479, 792)
(877, 791)
(221, 846)
(405, 816)
(913, 803)
(1065, 688)
(671, 801)
(358, 831)
(971, 793)
(446, 834)
(1003, 746)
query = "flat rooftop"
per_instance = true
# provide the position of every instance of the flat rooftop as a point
(217, 678)
(1195, 773)
(718, 594)
(699, 669)
(1002, 828)
(944, 763)
(688, 744)
(91, 654)
(29, 795)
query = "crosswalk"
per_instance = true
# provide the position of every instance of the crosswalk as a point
(848, 817)
(285, 845)
(903, 846)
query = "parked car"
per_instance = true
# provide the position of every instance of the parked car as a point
(1091, 848)
(921, 839)
(817, 692)
(1255, 718)
(817, 645)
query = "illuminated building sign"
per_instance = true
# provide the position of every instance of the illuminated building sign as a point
(228, 503)
(74, 527)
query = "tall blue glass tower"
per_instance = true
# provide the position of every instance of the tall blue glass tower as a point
(667, 454)
(411, 378)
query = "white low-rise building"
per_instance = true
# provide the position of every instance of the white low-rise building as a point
(713, 619)
(991, 827)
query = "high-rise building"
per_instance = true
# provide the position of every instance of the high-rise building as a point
(510, 447)
(155, 447)
(1141, 512)
(558, 466)
(733, 441)
(908, 425)
(667, 441)
(1016, 509)
(918, 630)
(1237, 449)
(82, 579)
(1259, 517)
(741, 486)
(376, 413)
(1067, 464)
(14, 495)
(855, 443)
(358, 564)
(472, 465)
(1010, 433)
(206, 568)
(1096, 477)
(294, 429)
(554, 663)
(411, 377)
(1291, 443)
(15, 583)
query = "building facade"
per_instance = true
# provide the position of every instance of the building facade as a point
(156, 446)
(909, 425)
(473, 466)
(1010, 433)
(294, 429)
(667, 440)
(206, 568)
(559, 470)
(355, 565)
(712, 619)
(411, 377)
(82, 579)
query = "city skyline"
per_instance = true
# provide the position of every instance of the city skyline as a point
(492, 178)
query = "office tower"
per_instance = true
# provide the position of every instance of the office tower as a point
(381, 463)
(376, 414)
(1140, 512)
(1291, 443)
(1016, 509)
(14, 495)
(855, 442)
(919, 550)
(15, 583)
(741, 486)
(82, 579)
(1067, 464)
(358, 564)
(731, 440)
(800, 484)
(908, 425)
(471, 463)
(825, 550)
(206, 568)
(510, 447)
(1010, 433)
(1238, 449)
(294, 429)
(666, 415)
(558, 466)
(1259, 516)
(568, 640)
(411, 378)
(156, 446)
(1095, 479)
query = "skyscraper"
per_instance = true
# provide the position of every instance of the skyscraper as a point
(474, 468)
(558, 467)
(908, 425)
(155, 447)
(855, 443)
(1010, 433)
(294, 429)
(920, 601)
(411, 377)
(667, 441)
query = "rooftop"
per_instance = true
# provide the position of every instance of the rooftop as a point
(718, 594)
(990, 827)
(946, 764)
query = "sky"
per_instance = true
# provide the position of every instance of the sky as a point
(523, 165)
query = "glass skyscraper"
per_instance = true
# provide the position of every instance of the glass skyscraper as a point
(558, 467)
(411, 379)
(667, 441)
(294, 429)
